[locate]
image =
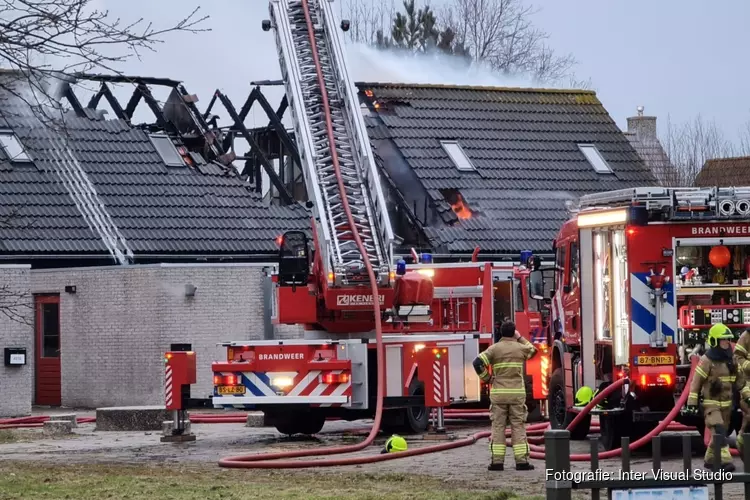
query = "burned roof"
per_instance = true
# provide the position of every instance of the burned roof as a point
(102, 187)
(724, 172)
(513, 156)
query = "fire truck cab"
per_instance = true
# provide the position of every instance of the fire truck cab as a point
(641, 275)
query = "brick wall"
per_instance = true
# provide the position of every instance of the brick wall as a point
(16, 383)
(117, 326)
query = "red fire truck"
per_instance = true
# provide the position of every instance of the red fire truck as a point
(641, 274)
(435, 318)
(331, 372)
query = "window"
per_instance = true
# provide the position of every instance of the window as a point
(573, 271)
(560, 264)
(50, 330)
(13, 147)
(518, 299)
(167, 150)
(533, 303)
(458, 156)
(595, 158)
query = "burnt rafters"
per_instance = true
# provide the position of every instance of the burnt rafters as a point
(210, 137)
(240, 127)
(278, 126)
(104, 91)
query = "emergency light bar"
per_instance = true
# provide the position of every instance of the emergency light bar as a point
(603, 218)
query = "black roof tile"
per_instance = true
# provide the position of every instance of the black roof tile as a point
(524, 146)
(107, 178)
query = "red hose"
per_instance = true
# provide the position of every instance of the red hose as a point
(263, 461)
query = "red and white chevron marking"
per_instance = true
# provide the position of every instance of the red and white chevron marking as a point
(439, 382)
(168, 385)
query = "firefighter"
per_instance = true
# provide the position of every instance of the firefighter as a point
(715, 376)
(742, 360)
(503, 364)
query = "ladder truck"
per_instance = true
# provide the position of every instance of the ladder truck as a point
(435, 317)
(641, 275)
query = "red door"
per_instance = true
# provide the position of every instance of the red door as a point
(48, 386)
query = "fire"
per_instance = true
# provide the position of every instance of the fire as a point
(460, 208)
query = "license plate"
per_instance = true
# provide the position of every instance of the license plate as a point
(231, 389)
(654, 360)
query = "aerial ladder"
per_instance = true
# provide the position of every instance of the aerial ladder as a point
(324, 120)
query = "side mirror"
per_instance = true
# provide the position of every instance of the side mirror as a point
(536, 285)
(566, 289)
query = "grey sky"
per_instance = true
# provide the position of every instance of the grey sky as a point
(675, 57)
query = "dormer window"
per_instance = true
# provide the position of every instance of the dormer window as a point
(12, 147)
(457, 155)
(167, 150)
(595, 158)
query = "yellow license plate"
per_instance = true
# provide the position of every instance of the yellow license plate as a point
(655, 360)
(231, 389)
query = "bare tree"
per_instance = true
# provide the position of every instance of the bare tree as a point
(40, 39)
(368, 19)
(689, 145)
(501, 33)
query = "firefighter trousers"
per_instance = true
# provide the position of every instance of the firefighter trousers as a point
(717, 417)
(502, 415)
(745, 427)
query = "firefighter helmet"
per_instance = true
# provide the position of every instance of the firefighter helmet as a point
(719, 332)
(584, 396)
(395, 444)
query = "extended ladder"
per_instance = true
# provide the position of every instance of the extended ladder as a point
(341, 256)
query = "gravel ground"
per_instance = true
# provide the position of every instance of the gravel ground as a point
(215, 441)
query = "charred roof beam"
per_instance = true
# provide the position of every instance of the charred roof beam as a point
(240, 127)
(105, 92)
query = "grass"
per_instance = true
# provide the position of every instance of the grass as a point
(7, 436)
(114, 482)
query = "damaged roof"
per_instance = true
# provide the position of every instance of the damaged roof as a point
(527, 152)
(101, 187)
(724, 172)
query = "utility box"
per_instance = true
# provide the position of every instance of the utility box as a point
(434, 372)
(15, 356)
(179, 371)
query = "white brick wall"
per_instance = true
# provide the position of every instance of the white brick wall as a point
(117, 326)
(16, 383)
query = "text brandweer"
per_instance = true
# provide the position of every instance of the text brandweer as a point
(284, 355)
(718, 230)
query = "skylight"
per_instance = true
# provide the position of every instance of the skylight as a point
(458, 156)
(167, 150)
(595, 158)
(13, 147)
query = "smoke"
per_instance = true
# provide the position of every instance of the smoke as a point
(369, 64)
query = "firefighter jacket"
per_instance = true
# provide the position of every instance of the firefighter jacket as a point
(742, 353)
(502, 364)
(715, 378)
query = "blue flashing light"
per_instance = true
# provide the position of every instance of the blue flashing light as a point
(426, 258)
(401, 267)
(525, 256)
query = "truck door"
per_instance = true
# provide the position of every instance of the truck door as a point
(503, 304)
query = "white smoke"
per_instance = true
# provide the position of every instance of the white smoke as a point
(369, 64)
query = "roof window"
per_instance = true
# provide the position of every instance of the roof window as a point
(13, 147)
(167, 150)
(456, 153)
(595, 158)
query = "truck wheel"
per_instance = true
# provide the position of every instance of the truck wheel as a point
(559, 417)
(417, 417)
(312, 423)
(612, 428)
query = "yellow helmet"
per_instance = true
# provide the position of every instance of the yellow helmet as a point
(584, 396)
(395, 444)
(719, 332)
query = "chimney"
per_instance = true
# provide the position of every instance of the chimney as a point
(644, 127)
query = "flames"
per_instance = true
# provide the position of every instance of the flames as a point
(461, 209)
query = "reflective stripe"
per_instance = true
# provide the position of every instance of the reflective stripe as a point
(740, 348)
(509, 364)
(508, 391)
(497, 450)
(720, 404)
(693, 398)
(745, 392)
(484, 359)
(728, 378)
(483, 374)
(520, 450)
(699, 371)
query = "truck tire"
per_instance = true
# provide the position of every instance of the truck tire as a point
(612, 429)
(308, 423)
(417, 417)
(559, 417)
